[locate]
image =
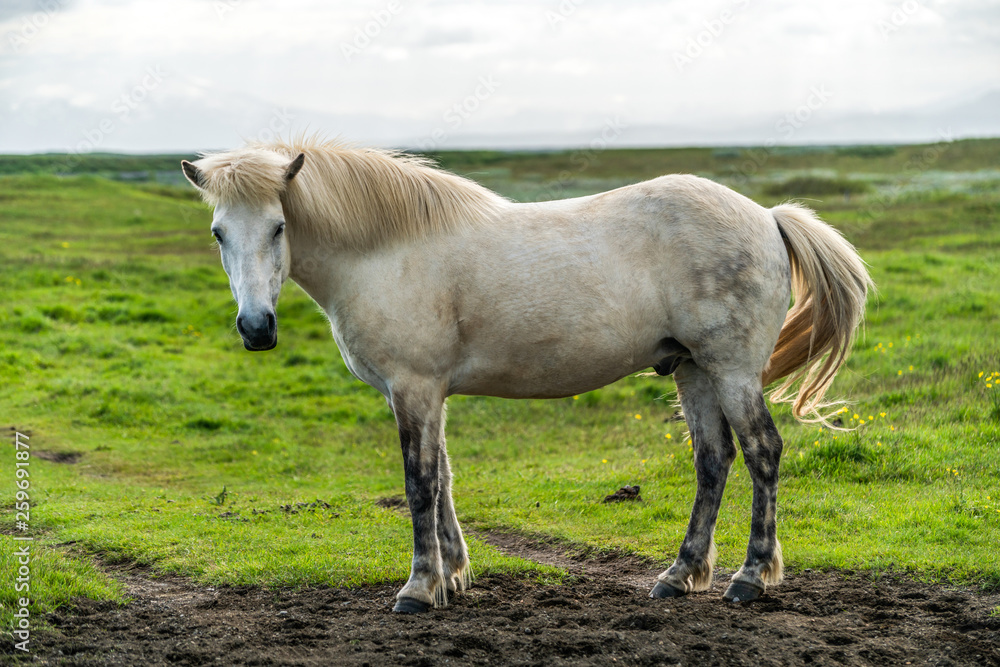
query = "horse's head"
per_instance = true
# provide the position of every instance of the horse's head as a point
(250, 231)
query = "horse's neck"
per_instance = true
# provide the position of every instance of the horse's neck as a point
(314, 265)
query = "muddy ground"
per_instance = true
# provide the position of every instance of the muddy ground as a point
(603, 617)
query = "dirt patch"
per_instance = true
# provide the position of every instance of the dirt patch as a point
(602, 617)
(393, 503)
(624, 494)
(585, 563)
(57, 457)
(312, 507)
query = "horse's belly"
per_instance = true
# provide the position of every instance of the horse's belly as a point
(544, 371)
(528, 389)
(561, 334)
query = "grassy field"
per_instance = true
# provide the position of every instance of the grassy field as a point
(156, 438)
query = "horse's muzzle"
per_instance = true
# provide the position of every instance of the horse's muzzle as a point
(260, 348)
(259, 333)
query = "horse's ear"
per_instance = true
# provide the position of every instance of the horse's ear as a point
(193, 174)
(295, 166)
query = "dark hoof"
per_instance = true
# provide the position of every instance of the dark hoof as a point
(739, 591)
(662, 590)
(410, 606)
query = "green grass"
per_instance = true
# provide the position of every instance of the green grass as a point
(117, 342)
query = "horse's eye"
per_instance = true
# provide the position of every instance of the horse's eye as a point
(279, 230)
(218, 236)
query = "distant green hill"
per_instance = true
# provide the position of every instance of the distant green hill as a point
(964, 155)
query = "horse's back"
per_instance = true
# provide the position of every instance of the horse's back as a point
(570, 295)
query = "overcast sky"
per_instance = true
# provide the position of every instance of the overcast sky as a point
(195, 74)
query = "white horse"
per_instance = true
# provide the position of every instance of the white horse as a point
(434, 286)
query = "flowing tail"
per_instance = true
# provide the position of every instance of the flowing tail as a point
(830, 285)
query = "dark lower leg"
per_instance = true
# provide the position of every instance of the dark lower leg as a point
(714, 453)
(454, 553)
(762, 447)
(418, 440)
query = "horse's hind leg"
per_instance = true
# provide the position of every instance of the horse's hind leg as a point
(714, 453)
(744, 405)
(420, 417)
(454, 553)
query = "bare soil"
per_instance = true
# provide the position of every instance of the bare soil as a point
(602, 617)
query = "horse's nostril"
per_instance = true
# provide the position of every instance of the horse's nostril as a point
(257, 328)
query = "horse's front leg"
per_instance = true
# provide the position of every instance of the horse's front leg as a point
(420, 418)
(454, 553)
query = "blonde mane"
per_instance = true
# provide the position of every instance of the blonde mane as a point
(348, 196)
